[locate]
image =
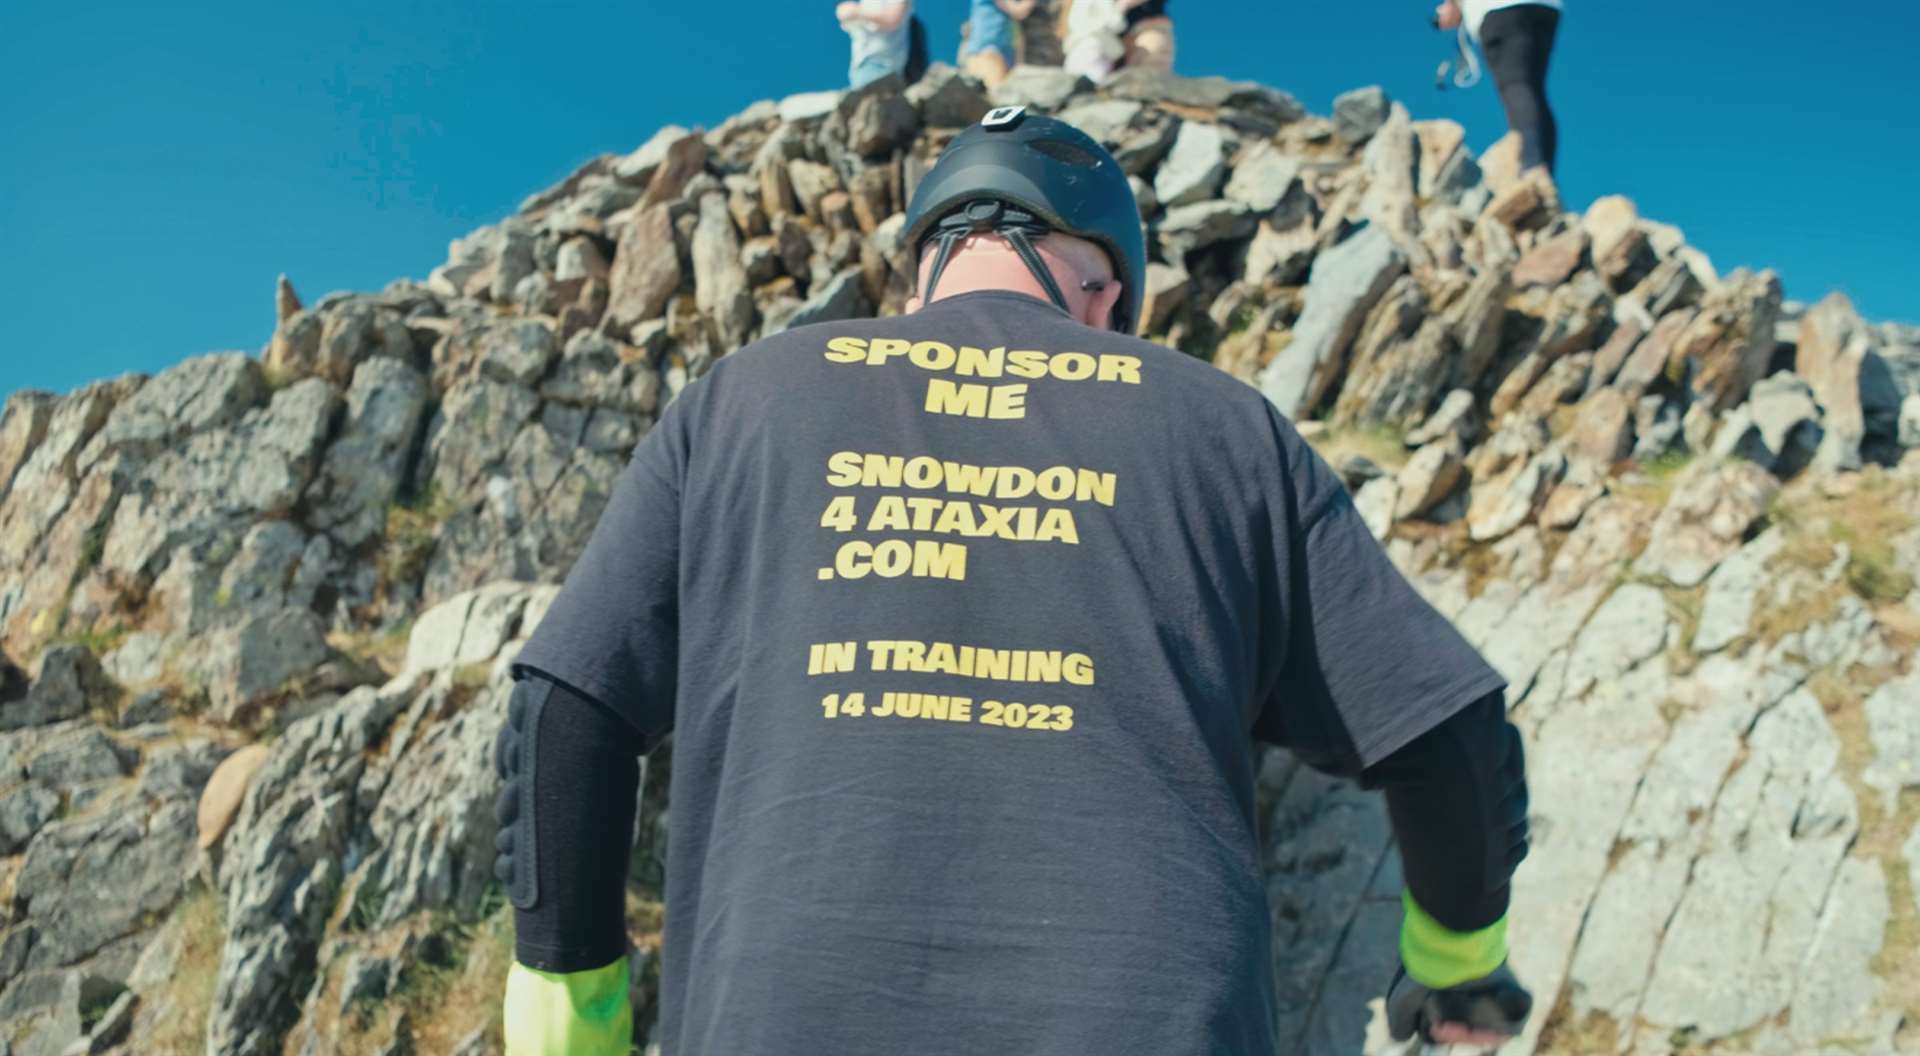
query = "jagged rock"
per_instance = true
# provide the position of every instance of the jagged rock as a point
(1347, 281)
(201, 394)
(1166, 290)
(1603, 426)
(1910, 421)
(1777, 834)
(599, 372)
(1391, 162)
(1562, 382)
(874, 119)
(69, 681)
(1656, 427)
(1622, 252)
(285, 301)
(1194, 167)
(720, 283)
(220, 800)
(1583, 485)
(1256, 104)
(23, 425)
(1446, 169)
(1358, 114)
(23, 810)
(1831, 355)
(1613, 354)
(133, 858)
(1778, 427)
(1572, 316)
(366, 467)
(1376, 500)
(1502, 503)
(513, 261)
(843, 297)
(685, 159)
(469, 628)
(947, 98)
(1429, 476)
(1281, 254)
(1553, 261)
(1731, 339)
(1501, 162)
(1045, 88)
(638, 167)
(1190, 228)
(278, 566)
(283, 874)
(1712, 507)
(1262, 177)
(579, 259)
(1455, 416)
(1399, 362)
(811, 182)
(1528, 203)
(76, 758)
(262, 658)
(83, 996)
(646, 270)
(516, 353)
(1894, 724)
(365, 978)
(1475, 321)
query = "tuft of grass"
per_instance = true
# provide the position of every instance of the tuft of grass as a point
(1865, 519)
(277, 376)
(1386, 445)
(1652, 481)
(412, 530)
(97, 641)
(189, 991)
(387, 649)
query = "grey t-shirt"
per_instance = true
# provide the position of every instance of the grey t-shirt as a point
(966, 624)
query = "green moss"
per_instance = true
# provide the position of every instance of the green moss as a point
(412, 530)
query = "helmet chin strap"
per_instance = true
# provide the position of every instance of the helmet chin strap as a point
(1018, 227)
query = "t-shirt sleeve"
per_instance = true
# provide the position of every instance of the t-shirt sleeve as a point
(613, 632)
(1366, 664)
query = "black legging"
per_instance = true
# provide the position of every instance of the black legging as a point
(1518, 41)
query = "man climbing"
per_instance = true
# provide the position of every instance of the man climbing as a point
(968, 625)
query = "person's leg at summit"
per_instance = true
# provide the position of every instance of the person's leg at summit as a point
(1517, 39)
(989, 49)
(1094, 36)
(1041, 34)
(878, 32)
(1149, 35)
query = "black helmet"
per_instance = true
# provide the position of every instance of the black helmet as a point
(1022, 175)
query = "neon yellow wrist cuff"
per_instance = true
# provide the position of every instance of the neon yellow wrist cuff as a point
(568, 1013)
(1438, 958)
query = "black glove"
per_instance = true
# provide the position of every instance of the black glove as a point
(1495, 1002)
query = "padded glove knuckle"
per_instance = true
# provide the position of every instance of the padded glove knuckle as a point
(516, 862)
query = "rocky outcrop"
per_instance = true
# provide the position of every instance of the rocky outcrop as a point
(1678, 512)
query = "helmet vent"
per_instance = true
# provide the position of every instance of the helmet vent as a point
(1067, 153)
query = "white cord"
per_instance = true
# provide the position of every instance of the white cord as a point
(1468, 74)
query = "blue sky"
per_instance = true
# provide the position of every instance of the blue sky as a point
(161, 163)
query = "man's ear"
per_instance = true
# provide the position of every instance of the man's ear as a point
(1100, 307)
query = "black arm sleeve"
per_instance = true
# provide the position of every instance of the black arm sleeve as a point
(568, 780)
(1457, 796)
